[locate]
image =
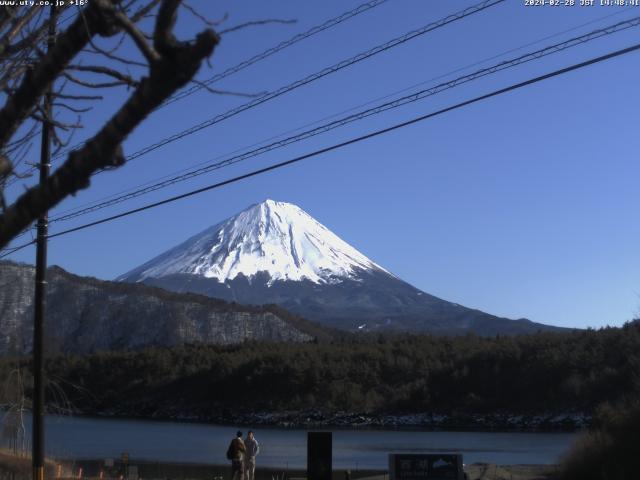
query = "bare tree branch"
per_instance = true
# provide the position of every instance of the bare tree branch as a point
(7, 14)
(202, 18)
(111, 56)
(178, 62)
(65, 106)
(226, 92)
(143, 11)
(98, 69)
(26, 42)
(138, 37)
(253, 24)
(88, 84)
(17, 142)
(163, 38)
(5, 167)
(17, 26)
(41, 117)
(99, 20)
(60, 143)
(66, 96)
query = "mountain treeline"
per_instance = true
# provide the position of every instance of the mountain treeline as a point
(545, 372)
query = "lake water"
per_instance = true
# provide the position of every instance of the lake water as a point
(82, 438)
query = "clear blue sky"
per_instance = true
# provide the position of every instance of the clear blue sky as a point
(522, 206)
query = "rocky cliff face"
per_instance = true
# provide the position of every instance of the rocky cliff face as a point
(85, 315)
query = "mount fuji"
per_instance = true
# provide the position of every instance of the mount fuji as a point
(274, 252)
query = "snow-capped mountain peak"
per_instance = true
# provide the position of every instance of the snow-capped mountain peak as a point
(275, 253)
(278, 238)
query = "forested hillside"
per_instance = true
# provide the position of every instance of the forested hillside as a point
(542, 373)
(85, 315)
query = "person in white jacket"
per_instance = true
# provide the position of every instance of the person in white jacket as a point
(253, 449)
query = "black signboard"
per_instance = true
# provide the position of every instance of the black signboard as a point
(428, 466)
(319, 456)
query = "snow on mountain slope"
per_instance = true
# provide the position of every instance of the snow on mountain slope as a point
(274, 237)
(275, 253)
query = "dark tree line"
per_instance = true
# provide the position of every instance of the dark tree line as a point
(545, 372)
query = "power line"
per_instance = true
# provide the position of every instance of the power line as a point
(332, 22)
(12, 250)
(316, 76)
(311, 78)
(281, 46)
(361, 138)
(61, 21)
(127, 195)
(51, 33)
(406, 89)
(420, 95)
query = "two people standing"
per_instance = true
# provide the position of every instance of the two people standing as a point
(252, 449)
(243, 456)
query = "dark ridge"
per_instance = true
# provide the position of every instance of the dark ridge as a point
(171, 308)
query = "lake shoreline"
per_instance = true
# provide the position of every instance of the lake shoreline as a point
(427, 421)
(313, 420)
(79, 438)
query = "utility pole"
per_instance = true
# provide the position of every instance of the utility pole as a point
(41, 281)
